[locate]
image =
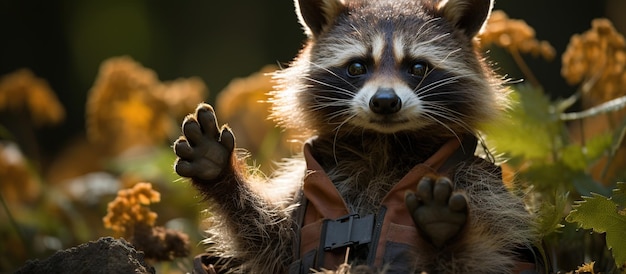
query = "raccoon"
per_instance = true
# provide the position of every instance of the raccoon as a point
(391, 93)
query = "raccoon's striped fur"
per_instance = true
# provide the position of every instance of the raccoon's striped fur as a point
(380, 85)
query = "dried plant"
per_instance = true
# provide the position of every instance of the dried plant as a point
(129, 215)
(128, 106)
(23, 91)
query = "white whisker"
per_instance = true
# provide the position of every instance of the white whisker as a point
(421, 30)
(446, 114)
(334, 74)
(428, 114)
(346, 91)
(336, 130)
(438, 64)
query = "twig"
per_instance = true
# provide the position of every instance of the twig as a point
(609, 106)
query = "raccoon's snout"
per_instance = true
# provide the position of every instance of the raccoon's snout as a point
(385, 101)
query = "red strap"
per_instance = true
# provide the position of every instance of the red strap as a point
(320, 192)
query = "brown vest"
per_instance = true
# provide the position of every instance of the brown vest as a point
(328, 228)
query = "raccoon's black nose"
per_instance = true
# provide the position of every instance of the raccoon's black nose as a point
(385, 101)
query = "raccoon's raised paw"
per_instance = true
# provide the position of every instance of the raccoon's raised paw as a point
(438, 212)
(204, 150)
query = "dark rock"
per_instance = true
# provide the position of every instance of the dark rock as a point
(107, 255)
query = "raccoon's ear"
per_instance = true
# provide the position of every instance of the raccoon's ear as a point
(467, 15)
(315, 15)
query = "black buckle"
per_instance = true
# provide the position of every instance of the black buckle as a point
(349, 230)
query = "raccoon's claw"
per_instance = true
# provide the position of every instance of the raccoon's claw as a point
(437, 211)
(204, 150)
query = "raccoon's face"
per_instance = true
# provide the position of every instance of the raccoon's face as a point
(393, 66)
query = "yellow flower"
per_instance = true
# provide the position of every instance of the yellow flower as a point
(21, 90)
(145, 195)
(128, 106)
(131, 208)
(597, 58)
(121, 85)
(514, 35)
(129, 215)
(135, 112)
(586, 268)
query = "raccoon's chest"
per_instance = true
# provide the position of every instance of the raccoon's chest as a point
(365, 168)
(362, 187)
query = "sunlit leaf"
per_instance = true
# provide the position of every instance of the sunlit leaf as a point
(601, 214)
(578, 157)
(574, 157)
(598, 146)
(528, 129)
(535, 104)
(551, 215)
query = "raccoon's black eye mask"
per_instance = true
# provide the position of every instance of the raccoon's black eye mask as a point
(417, 69)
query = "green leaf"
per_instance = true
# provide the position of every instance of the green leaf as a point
(551, 214)
(579, 157)
(516, 141)
(529, 128)
(598, 146)
(536, 106)
(574, 157)
(601, 214)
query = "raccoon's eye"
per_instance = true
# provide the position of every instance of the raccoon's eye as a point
(356, 69)
(418, 69)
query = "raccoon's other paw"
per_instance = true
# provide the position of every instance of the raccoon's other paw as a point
(204, 150)
(438, 212)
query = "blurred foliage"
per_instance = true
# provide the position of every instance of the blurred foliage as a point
(132, 119)
(568, 162)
